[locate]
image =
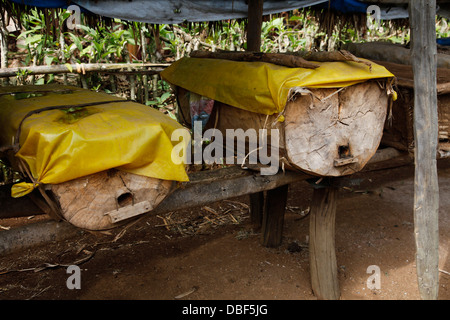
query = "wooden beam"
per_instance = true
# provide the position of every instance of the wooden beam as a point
(224, 184)
(426, 191)
(194, 193)
(255, 13)
(79, 68)
(21, 207)
(322, 254)
(203, 188)
(33, 234)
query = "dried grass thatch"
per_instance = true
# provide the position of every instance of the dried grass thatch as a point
(52, 17)
(333, 21)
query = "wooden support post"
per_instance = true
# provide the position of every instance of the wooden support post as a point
(254, 44)
(133, 87)
(322, 255)
(256, 209)
(62, 57)
(144, 58)
(83, 81)
(112, 79)
(422, 15)
(3, 47)
(273, 217)
(255, 13)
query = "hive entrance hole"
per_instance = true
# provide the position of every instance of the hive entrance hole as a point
(344, 151)
(125, 199)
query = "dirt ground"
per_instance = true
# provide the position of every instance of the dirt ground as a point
(212, 253)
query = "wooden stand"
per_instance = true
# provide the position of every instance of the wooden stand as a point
(273, 218)
(323, 266)
(256, 210)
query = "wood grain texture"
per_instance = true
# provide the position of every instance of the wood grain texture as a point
(281, 59)
(426, 190)
(85, 201)
(322, 253)
(273, 218)
(315, 130)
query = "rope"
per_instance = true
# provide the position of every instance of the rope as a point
(16, 144)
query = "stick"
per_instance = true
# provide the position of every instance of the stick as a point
(445, 272)
(332, 56)
(3, 50)
(63, 59)
(285, 60)
(186, 293)
(144, 56)
(70, 68)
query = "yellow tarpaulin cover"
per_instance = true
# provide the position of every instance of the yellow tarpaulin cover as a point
(59, 145)
(263, 87)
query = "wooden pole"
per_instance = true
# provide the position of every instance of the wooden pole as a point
(255, 13)
(63, 59)
(256, 210)
(73, 68)
(322, 255)
(144, 58)
(273, 218)
(3, 47)
(422, 15)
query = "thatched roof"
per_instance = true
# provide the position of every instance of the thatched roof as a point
(331, 14)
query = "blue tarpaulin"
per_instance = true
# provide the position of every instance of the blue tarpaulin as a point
(347, 6)
(444, 41)
(386, 11)
(51, 4)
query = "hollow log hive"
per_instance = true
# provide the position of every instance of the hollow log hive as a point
(330, 132)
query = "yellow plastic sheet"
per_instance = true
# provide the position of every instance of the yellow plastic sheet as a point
(59, 146)
(263, 87)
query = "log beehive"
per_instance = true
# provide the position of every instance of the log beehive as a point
(325, 132)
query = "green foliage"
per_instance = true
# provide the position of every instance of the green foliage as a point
(160, 101)
(99, 44)
(102, 44)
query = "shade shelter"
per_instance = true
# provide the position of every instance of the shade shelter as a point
(421, 16)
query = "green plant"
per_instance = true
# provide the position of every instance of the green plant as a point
(161, 101)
